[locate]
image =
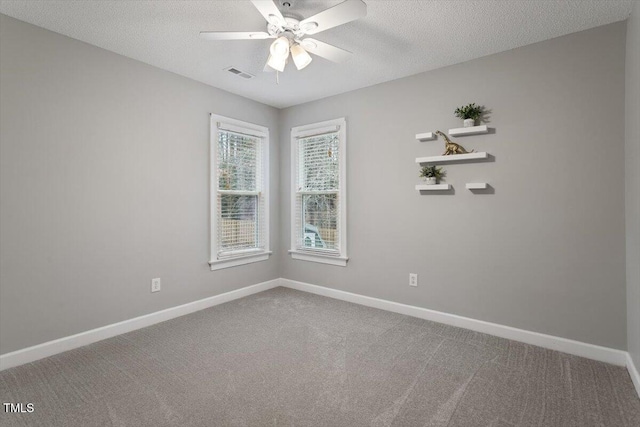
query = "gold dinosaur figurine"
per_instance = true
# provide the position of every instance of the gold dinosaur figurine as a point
(452, 147)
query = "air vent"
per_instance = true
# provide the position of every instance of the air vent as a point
(239, 73)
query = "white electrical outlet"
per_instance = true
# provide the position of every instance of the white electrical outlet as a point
(413, 279)
(155, 285)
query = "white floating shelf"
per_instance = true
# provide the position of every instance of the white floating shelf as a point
(433, 187)
(427, 136)
(476, 185)
(452, 158)
(473, 130)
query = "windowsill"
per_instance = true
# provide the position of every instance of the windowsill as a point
(239, 260)
(323, 259)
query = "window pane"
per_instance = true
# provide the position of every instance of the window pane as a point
(238, 157)
(320, 226)
(238, 218)
(318, 163)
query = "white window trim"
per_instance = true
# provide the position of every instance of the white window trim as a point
(254, 255)
(316, 129)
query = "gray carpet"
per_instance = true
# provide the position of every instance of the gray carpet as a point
(285, 358)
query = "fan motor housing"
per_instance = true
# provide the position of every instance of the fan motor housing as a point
(291, 30)
(292, 22)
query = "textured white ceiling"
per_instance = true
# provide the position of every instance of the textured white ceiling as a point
(396, 39)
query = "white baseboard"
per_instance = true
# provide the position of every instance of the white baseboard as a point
(633, 373)
(50, 348)
(590, 351)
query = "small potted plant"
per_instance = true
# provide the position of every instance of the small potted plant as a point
(469, 113)
(431, 174)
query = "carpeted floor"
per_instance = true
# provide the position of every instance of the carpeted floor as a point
(285, 358)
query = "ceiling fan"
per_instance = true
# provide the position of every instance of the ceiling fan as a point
(290, 33)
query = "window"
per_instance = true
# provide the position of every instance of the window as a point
(239, 199)
(319, 204)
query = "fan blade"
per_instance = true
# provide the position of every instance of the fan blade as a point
(342, 13)
(325, 50)
(235, 35)
(270, 11)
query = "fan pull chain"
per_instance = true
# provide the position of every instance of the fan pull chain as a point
(277, 77)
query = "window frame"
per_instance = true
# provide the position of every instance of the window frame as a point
(336, 125)
(242, 256)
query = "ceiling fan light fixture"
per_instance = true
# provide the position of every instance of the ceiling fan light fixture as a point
(300, 56)
(280, 48)
(277, 63)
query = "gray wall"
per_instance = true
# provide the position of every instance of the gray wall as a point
(632, 180)
(546, 251)
(104, 185)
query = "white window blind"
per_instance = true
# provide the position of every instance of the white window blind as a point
(318, 205)
(239, 217)
(239, 193)
(317, 197)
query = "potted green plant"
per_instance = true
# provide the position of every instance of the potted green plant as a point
(432, 174)
(469, 113)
